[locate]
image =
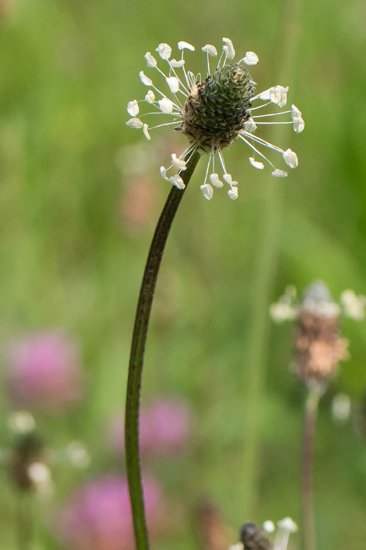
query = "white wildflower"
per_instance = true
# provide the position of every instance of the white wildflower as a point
(183, 101)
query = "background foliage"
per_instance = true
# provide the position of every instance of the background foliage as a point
(70, 260)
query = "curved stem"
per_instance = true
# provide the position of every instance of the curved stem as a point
(137, 355)
(310, 415)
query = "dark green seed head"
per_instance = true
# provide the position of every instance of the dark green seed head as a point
(216, 109)
(253, 538)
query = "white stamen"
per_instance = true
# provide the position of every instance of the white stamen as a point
(214, 179)
(185, 46)
(233, 193)
(276, 94)
(290, 158)
(211, 50)
(207, 191)
(228, 178)
(146, 132)
(145, 79)
(191, 79)
(269, 526)
(135, 123)
(177, 64)
(178, 164)
(287, 524)
(229, 48)
(173, 84)
(133, 108)
(164, 50)
(256, 163)
(250, 58)
(250, 125)
(163, 173)
(295, 112)
(279, 173)
(177, 181)
(255, 149)
(262, 141)
(279, 95)
(150, 96)
(151, 61)
(166, 105)
(299, 124)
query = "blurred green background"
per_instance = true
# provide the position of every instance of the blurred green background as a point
(72, 249)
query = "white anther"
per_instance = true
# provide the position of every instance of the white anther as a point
(177, 64)
(150, 96)
(185, 46)
(228, 178)
(233, 193)
(250, 125)
(214, 179)
(256, 163)
(277, 95)
(279, 173)
(229, 48)
(133, 108)
(146, 131)
(163, 173)
(207, 191)
(151, 61)
(251, 58)
(178, 164)
(166, 105)
(295, 112)
(210, 49)
(177, 181)
(135, 123)
(173, 84)
(145, 79)
(298, 124)
(290, 158)
(164, 50)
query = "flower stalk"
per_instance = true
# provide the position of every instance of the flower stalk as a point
(310, 416)
(139, 337)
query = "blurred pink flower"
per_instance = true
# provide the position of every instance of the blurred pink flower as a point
(138, 204)
(98, 516)
(43, 371)
(165, 427)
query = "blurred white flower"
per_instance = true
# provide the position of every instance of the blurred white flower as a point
(341, 407)
(353, 306)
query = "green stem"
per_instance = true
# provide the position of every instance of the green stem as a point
(137, 355)
(310, 416)
(23, 522)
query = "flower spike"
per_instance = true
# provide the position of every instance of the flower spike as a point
(215, 112)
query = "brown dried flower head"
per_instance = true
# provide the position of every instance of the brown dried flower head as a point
(317, 338)
(318, 341)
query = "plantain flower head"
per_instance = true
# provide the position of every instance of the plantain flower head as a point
(213, 112)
